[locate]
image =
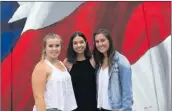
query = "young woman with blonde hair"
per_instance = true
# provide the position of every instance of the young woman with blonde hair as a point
(51, 82)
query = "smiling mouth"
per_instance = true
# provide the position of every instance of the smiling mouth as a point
(79, 50)
(55, 53)
(101, 48)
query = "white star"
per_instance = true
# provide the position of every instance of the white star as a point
(22, 11)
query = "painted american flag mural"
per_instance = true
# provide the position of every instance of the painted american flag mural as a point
(140, 30)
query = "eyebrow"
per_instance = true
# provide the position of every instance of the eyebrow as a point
(78, 41)
(54, 44)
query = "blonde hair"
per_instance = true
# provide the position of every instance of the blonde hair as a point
(48, 36)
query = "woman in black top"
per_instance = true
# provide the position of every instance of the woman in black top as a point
(80, 64)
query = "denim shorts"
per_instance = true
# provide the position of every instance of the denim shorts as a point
(53, 109)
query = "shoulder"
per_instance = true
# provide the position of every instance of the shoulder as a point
(65, 61)
(92, 61)
(122, 60)
(41, 67)
(40, 73)
(67, 64)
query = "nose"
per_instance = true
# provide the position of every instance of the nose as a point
(54, 48)
(100, 43)
(78, 45)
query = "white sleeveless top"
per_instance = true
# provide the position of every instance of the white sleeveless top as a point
(59, 90)
(103, 89)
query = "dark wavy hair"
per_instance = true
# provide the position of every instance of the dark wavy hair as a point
(98, 56)
(71, 54)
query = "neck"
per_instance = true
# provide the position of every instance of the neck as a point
(105, 59)
(105, 55)
(52, 60)
(80, 57)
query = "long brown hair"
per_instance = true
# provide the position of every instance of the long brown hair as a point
(99, 57)
(48, 36)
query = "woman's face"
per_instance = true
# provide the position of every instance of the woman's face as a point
(102, 43)
(79, 45)
(53, 48)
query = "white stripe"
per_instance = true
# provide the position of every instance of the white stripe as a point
(152, 78)
(46, 13)
(42, 14)
(22, 2)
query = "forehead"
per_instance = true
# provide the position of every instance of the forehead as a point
(78, 38)
(53, 41)
(100, 36)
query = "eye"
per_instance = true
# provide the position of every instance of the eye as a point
(74, 43)
(57, 45)
(102, 40)
(96, 41)
(81, 42)
(50, 45)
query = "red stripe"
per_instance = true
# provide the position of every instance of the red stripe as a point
(148, 26)
(6, 84)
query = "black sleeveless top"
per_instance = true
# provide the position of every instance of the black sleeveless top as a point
(84, 85)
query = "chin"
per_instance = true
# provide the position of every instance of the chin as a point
(54, 57)
(80, 52)
(101, 51)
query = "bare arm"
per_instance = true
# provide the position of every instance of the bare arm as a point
(39, 77)
(67, 65)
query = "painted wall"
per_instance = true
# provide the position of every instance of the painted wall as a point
(140, 31)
